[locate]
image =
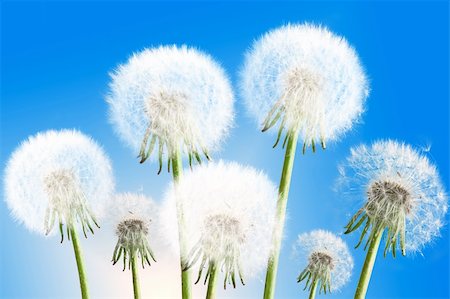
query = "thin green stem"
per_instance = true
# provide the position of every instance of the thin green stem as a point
(177, 168)
(135, 274)
(80, 264)
(283, 191)
(312, 293)
(366, 271)
(211, 292)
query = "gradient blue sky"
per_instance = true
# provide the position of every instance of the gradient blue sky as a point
(55, 59)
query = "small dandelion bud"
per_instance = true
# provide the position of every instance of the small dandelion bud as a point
(58, 176)
(173, 98)
(132, 216)
(228, 216)
(328, 263)
(308, 80)
(403, 191)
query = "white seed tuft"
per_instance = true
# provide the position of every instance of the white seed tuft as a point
(323, 252)
(57, 176)
(308, 79)
(228, 214)
(403, 191)
(171, 96)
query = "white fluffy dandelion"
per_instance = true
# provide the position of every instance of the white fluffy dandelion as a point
(311, 82)
(404, 198)
(133, 218)
(308, 79)
(228, 213)
(403, 194)
(327, 262)
(171, 97)
(57, 177)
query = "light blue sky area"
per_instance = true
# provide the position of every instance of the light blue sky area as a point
(55, 60)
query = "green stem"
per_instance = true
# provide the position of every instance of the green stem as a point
(283, 191)
(80, 264)
(135, 274)
(177, 168)
(312, 294)
(366, 271)
(211, 292)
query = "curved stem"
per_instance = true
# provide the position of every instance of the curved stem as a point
(177, 168)
(80, 264)
(366, 271)
(211, 292)
(283, 191)
(135, 274)
(312, 294)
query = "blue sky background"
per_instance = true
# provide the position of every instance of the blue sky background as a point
(55, 59)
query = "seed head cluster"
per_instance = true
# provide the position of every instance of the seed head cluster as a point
(58, 176)
(172, 98)
(403, 195)
(133, 216)
(228, 211)
(308, 80)
(326, 259)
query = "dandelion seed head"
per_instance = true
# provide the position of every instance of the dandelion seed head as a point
(403, 190)
(179, 95)
(57, 176)
(131, 227)
(228, 214)
(308, 78)
(134, 218)
(322, 253)
(384, 200)
(222, 237)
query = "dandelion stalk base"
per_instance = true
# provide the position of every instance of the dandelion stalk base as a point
(135, 274)
(177, 167)
(272, 267)
(312, 293)
(80, 263)
(369, 262)
(212, 281)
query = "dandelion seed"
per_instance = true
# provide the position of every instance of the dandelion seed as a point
(328, 261)
(59, 177)
(228, 213)
(404, 197)
(169, 99)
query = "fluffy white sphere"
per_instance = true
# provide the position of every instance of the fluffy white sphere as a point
(410, 184)
(65, 170)
(228, 210)
(310, 75)
(324, 242)
(177, 94)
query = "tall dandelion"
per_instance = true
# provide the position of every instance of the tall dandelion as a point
(175, 99)
(228, 216)
(404, 200)
(327, 262)
(63, 178)
(132, 217)
(311, 83)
